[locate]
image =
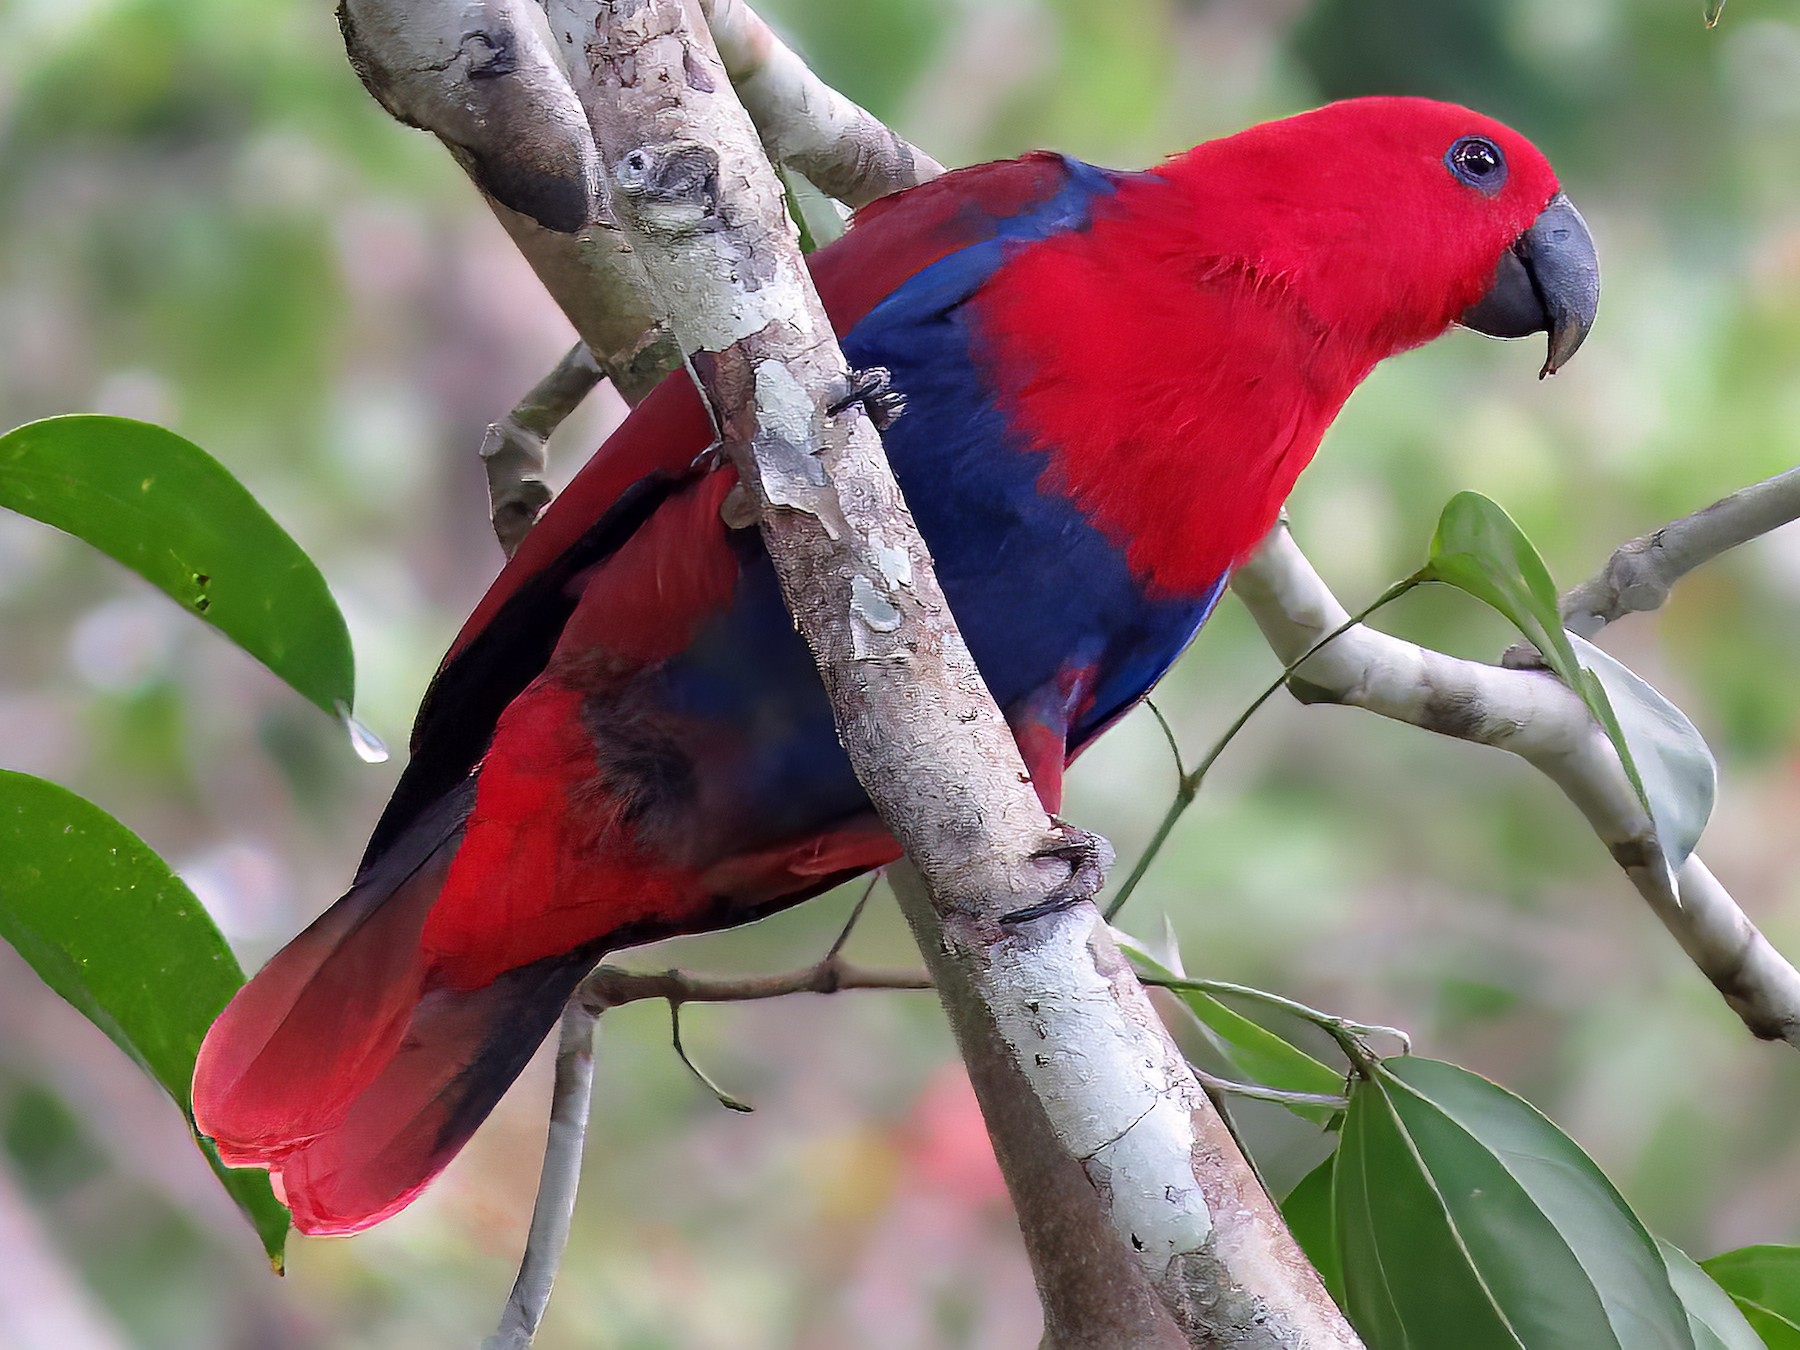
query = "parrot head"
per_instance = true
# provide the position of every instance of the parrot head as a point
(1395, 218)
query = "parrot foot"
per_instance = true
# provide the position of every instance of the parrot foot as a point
(1089, 857)
(873, 390)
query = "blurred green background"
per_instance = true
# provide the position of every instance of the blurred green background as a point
(204, 221)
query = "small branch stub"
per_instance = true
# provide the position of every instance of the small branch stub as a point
(515, 449)
(1641, 572)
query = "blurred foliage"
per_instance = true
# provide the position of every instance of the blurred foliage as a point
(208, 224)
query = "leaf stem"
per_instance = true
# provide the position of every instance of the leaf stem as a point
(1188, 788)
(1259, 1093)
(1350, 1036)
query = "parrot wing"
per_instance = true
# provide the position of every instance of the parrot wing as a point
(361, 1058)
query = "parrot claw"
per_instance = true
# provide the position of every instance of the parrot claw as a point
(710, 458)
(1089, 857)
(873, 390)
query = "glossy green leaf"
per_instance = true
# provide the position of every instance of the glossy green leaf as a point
(1480, 550)
(1466, 1218)
(109, 927)
(1255, 1054)
(1679, 775)
(1764, 1282)
(1311, 1219)
(174, 515)
(1713, 1319)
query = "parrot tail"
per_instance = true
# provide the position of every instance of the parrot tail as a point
(350, 1072)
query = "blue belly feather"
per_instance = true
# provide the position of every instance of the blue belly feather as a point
(1037, 591)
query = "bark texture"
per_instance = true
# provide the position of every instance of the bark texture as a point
(482, 77)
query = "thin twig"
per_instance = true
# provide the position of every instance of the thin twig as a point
(1257, 1093)
(856, 912)
(725, 1099)
(614, 986)
(514, 448)
(555, 1206)
(1334, 1026)
(1189, 786)
(1640, 573)
(1169, 736)
(611, 987)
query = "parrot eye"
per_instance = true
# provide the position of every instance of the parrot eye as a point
(1477, 161)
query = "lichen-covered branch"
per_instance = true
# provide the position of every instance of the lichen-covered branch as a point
(1641, 572)
(702, 210)
(1533, 715)
(1086, 1096)
(844, 150)
(481, 76)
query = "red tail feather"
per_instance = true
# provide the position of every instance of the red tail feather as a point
(460, 1052)
(300, 1041)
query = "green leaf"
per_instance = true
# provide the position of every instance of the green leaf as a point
(1480, 550)
(113, 931)
(174, 515)
(1255, 1054)
(1466, 1218)
(815, 215)
(1311, 1219)
(1776, 1332)
(1679, 775)
(1713, 1319)
(1765, 1283)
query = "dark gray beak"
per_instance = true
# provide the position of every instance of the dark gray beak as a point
(1547, 282)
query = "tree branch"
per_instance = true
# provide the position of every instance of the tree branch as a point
(482, 77)
(845, 151)
(703, 212)
(1145, 1225)
(1641, 572)
(615, 986)
(552, 1212)
(514, 448)
(1532, 714)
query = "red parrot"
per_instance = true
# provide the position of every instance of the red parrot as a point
(1111, 379)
